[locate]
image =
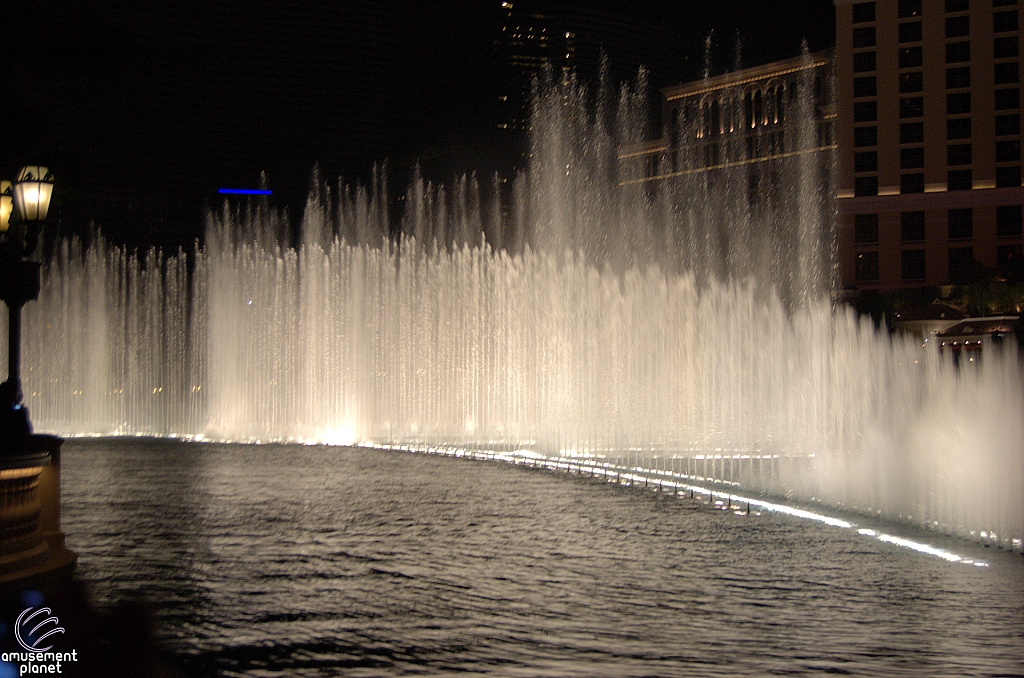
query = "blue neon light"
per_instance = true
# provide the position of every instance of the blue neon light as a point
(243, 191)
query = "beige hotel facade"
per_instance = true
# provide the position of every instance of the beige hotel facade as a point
(928, 132)
(925, 119)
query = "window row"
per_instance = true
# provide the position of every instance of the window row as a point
(959, 225)
(956, 129)
(961, 262)
(956, 27)
(956, 154)
(956, 78)
(956, 180)
(958, 103)
(956, 53)
(864, 12)
(909, 32)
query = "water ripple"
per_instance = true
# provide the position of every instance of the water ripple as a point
(294, 561)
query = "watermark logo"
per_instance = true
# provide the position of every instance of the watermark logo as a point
(36, 629)
(30, 639)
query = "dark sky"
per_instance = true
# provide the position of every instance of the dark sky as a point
(144, 109)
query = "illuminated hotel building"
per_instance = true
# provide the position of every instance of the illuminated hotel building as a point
(738, 118)
(743, 117)
(928, 124)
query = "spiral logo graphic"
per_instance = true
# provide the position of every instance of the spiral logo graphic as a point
(30, 640)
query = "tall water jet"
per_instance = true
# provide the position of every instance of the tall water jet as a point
(592, 312)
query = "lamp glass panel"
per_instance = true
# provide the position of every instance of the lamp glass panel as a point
(33, 191)
(6, 206)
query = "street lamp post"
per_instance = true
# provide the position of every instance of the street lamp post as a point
(32, 550)
(19, 284)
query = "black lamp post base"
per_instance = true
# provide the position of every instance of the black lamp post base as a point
(15, 428)
(32, 548)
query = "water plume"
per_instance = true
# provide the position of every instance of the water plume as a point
(580, 310)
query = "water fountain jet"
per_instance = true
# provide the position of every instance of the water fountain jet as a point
(612, 317)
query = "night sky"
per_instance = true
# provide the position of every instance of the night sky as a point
(143, 109)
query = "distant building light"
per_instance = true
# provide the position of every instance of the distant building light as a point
(243, 191)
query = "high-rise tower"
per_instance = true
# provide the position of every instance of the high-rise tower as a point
(928, 95)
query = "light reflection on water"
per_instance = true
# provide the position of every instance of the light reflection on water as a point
(311, 561)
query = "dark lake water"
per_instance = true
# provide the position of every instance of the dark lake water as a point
(314, 561)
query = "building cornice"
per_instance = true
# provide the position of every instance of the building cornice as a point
(747, 75)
